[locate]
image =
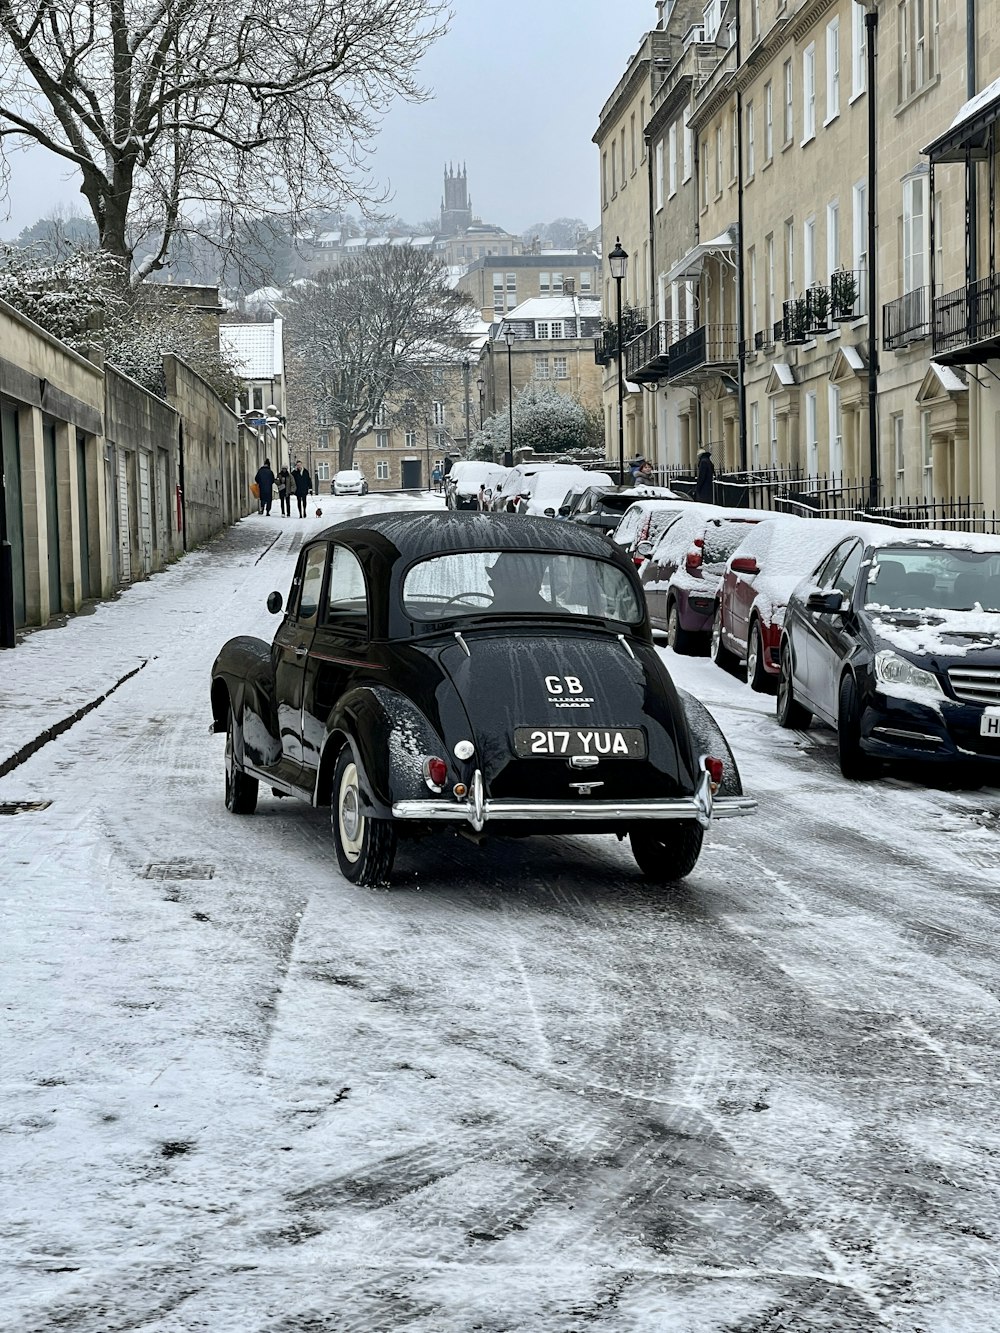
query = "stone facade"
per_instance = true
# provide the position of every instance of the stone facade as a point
(499, 288)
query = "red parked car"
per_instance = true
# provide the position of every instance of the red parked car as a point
(645, 521)
(759, 577)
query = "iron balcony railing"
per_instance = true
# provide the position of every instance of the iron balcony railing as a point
(648, 351)
(968, 316)
(906, 319)
(848, 294)
(707, 345)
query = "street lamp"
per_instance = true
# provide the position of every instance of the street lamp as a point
(871, 38)
(618, 263)
(508, 337)
(482, 399)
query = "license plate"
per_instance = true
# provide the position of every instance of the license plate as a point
(603, 743)
(989, 723)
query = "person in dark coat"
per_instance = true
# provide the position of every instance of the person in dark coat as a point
(303, 487)
(285, 487)
(704, 490)
(265, 480)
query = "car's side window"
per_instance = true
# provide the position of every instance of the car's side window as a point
(848, 576)
(312, 583)
(827, 571)
(347, 600)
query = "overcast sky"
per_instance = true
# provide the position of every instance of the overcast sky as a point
(516, 91)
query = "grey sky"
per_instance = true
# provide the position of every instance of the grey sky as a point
(517, 87)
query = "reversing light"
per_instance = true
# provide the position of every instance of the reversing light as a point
(459, 789)
(435, 772)
(714, 769)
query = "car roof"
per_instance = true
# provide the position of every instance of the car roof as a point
(415, 534)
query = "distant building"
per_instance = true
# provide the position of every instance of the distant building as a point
(258, 351)
(553, 347)
(456, 208)
(498, 288)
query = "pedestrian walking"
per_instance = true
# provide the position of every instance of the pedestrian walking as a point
(285, 486)
(303, 487)
(704, 490)
(436, 477)
(265, 480)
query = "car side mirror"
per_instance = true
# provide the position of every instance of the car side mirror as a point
(274, 602)
(564, 510)
(744, 564)
(549, 513)
(827, 603)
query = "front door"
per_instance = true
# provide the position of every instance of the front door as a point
(11, 516)
(291, 650)
(52, 516)
(410, 474)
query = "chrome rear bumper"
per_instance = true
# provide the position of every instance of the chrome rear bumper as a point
(477, 811)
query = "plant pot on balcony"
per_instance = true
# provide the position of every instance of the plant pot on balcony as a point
(796, 322)
(819, 311)
(843, 296)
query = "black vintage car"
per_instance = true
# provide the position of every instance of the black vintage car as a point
(482, 673)
(894, 640)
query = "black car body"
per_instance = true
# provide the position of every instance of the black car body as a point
(894, 640)
(417, 679)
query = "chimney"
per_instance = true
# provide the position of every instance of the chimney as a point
(569, 286)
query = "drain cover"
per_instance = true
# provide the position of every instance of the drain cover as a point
(22, 807)
(178, 870)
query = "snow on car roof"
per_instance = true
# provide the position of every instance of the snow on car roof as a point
(417, 533)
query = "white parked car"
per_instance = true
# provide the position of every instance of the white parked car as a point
(466, 477)
(548, 491)
(350, 483)
(515, 486)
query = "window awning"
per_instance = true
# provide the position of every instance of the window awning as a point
(969, 131)
(694, 261)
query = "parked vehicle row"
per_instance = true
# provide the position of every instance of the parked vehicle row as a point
(543, 490)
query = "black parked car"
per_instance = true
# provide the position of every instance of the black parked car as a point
(603, 507)
(480, 672)
(894, 640)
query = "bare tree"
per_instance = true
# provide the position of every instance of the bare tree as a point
(169, 108)
(365, 336)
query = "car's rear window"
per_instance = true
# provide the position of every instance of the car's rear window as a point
(504, 583)
(722, 539)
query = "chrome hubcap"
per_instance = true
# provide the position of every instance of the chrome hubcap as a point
(349, 816)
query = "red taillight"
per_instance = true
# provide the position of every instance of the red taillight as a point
(638, 561)
(693, 560)
(435, 772)
(714, 769)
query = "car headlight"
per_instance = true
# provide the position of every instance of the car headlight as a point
(891, 669)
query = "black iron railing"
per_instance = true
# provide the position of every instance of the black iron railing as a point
(968, 316)
(848, 294)
(648, 351)
(707, 345)
(906, 319)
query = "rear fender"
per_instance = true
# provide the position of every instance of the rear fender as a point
(707, 738)
(390, 739)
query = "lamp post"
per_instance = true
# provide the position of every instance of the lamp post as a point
(871, 39)
(482, 400)
(508, 337)
(618, 263)
(466, 378)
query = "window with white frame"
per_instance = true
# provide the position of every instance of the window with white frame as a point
(915, 233)
(382, 415)
(544, 284)
(541, 367)
(859, 210)
(859, 52)
(771, 291)
(614, 166)
(438, 410)
(604, 180)
(768, 121)
(440, 439)
(832, 236)
(322, 471)
(631, 135)
(542, 328)
(835, 430)
(917, 27)
(751, 141)
(586, 281)
(752, 290)
(755, 435)
(832, 70)
(808, 253)
(926, 455)
(381, 439)
(790, 258)
(560, 368)
(788, 125)
(688, 145)
(642, 121)
(557, 283)
(734, 154)
(382, 470)
(410, 439)
(659, 174)
(772, 452)
(511, 290)
(704, 173)
(661, 297)
(718, 159)
(812, 435)
(257, 396)
(898, 456)
(671, 159)
(809, 92)
(754, 20)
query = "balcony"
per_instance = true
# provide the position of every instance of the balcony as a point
(605, 348)
(702, 353)
(848, 294)
(966, 323)
(906, 320)
(646, 356)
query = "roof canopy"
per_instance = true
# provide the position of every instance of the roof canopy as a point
(693, 262)
(969, 131)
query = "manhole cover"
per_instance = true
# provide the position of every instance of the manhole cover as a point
(178, 870)
(22, 807)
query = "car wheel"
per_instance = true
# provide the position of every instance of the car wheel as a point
(854, 763)
(241, 791)
(721, 655)
(366, 848)
(791, 714)
(758, 678)
(665, 859)
(680, 640)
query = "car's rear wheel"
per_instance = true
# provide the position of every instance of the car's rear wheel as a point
(854, 763)
(679, 639)
(366, 848)
(721, 655)
(665, 858)
(791, 714)
(758, 677)
(241, 791)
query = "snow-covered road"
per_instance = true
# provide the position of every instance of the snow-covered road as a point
(521, 1090)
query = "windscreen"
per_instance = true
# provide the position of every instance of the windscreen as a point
(505, 583)
(933, 578)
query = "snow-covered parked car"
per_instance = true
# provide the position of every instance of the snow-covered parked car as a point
(438, 671)
(548, 490)
(467, 476)
(644, 522)
(894, 640)
(349, 483)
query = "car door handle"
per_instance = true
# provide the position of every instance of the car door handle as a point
(301, 652)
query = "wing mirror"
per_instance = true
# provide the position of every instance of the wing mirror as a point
(274, 602)
(549, 513)
(827, 603)
(744, 564)
(564, 510)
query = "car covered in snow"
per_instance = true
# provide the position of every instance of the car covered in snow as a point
(467, 478)
(349, 482)
(489, 674)
(894, 641)
(644, 522)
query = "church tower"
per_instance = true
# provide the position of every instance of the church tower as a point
(456, 208)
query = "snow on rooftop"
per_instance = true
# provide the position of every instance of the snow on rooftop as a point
(556, 307)
(950, 381)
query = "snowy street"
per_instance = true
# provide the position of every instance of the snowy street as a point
(520, 1090)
